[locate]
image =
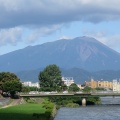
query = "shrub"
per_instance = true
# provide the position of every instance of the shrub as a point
(72, 105)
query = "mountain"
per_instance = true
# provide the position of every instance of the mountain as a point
(81, 52)
(79, 75)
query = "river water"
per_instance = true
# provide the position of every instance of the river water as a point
(105, 112)
(98, 112)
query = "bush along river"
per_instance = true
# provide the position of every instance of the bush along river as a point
(109, 109)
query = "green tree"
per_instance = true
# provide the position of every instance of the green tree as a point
(4, 76)
(87, 89)
(12, 87)
(100, 89)
(64, 87)
(73, 88)
(50, 79)
(8, 78)
(25, 89)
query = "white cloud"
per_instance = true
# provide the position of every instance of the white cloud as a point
(44, 12)
(10, 36)
(47, 16)
(41, 32)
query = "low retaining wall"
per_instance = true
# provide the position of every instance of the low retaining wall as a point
(4, 101)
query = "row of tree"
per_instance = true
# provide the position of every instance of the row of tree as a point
(50, 79)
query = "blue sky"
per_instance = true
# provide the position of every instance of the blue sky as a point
(32, 22)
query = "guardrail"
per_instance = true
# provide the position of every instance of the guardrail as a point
(45, 94)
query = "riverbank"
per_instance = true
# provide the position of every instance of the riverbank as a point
(32, 109)
(39, 108)
(21, 112)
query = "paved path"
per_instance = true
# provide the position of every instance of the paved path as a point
(15, 102)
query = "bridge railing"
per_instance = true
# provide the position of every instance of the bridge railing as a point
(80, 92)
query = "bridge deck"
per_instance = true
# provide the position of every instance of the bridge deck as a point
(71, 94)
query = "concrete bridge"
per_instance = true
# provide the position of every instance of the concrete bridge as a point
(81, 94)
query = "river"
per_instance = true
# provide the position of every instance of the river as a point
(104, 112)
(97, 112)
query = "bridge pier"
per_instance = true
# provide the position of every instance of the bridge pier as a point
(83, 101)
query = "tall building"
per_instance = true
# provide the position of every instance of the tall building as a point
(68, 80)
(116, 86)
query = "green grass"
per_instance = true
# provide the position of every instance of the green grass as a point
(22, 112)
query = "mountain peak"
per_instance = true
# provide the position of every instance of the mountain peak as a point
(81, 52)
(86, 39)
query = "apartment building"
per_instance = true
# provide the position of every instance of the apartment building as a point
(105, 84)
(92, 83)
(68, 80)
(30, 84)
(101, 84)
(116, 85)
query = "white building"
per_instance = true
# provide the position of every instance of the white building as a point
(116, 86)
(80, 86)
(68, 80)
(30, 84)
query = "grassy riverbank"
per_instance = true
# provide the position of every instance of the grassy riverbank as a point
(28, 111)
(41, 109)
(21, 112)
